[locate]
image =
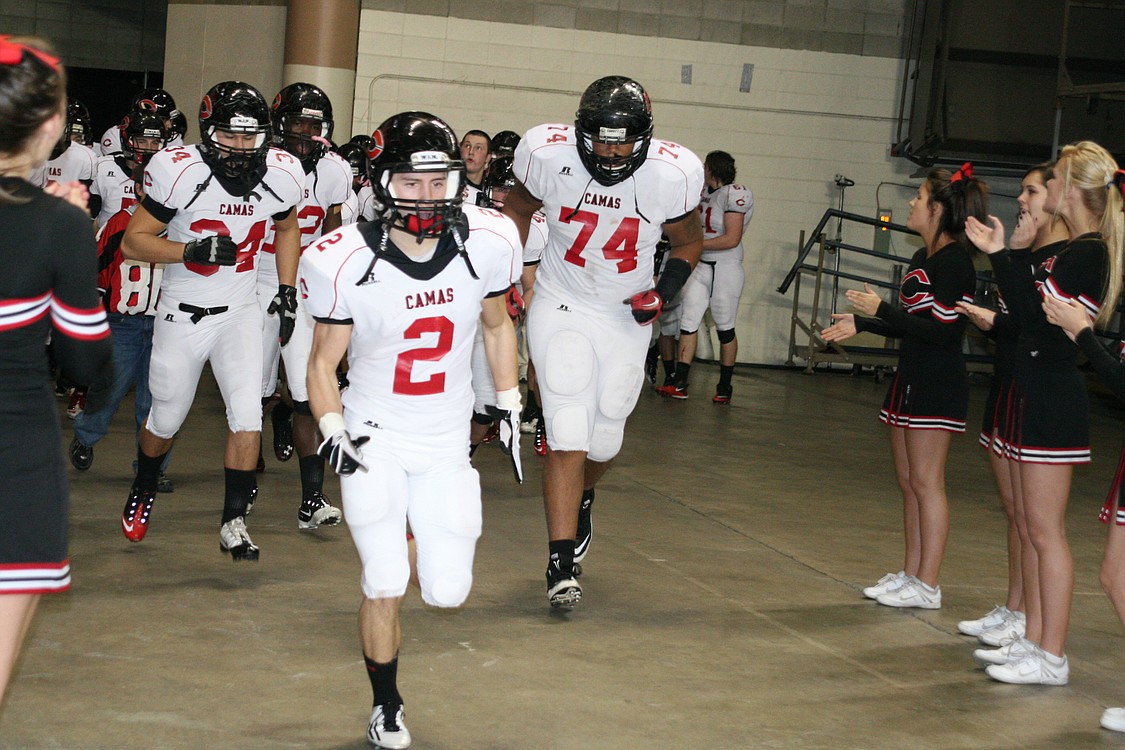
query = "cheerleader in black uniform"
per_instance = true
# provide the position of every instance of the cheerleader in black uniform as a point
(48, 288)
(1072, 317)
(1047, 431)
(1009, 620)
(928, 399)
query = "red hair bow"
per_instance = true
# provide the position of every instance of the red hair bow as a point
(964, 173)
(11, 53)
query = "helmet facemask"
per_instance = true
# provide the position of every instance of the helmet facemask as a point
(306, 136)
(422, 218)
(232, 162)
(607, 168)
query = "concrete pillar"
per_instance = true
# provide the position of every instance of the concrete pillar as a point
(321, 42)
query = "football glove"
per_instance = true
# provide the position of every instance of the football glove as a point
(645, 306)
(339, 449)
(216, 250)
(284, 305)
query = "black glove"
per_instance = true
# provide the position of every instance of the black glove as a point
(342, 453)
(645, 306)
(284, 305)
(509, 437)
(216, 250)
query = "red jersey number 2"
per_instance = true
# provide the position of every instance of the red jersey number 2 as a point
(620, 247)
(404, 383)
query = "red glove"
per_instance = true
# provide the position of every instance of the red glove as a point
(645, 306)
(514, 302)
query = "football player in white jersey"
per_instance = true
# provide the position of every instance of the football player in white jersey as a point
(356, 157)
(217, 201)
(149, 100)
(608, 190)
(302, 122)
(725, 211)
(403, 296)
(70, 159)
(142, 134)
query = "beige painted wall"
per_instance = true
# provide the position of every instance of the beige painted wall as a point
(207, 44)
(808, 116)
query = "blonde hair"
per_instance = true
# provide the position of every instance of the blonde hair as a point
(1090, 169)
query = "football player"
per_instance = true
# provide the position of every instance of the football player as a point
(504, 143)
(403, 295)
(217, 202)
(70, 159)
(716, 283)
(302, 122)
(356, 158)
(608, 190)
(78, 122)
(476, 152)
(149, 100)
(142, 134)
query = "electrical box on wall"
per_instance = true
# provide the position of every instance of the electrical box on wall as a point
(882, 234)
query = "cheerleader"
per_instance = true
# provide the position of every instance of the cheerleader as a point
(48, 289)
(1009, 620)
(1047, 431)
(928, 399)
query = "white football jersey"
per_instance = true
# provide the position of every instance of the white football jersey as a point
(349, 209)
(536, 239)
(366, 198)
(114, 185)
(181, 191)
(601, 240)
(412, 338)
(714, 207)
(329, 184)
(75, 163)
(110, 144)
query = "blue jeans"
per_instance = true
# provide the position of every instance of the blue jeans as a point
(132, 347)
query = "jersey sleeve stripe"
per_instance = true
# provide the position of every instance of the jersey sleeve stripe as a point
(22, 312)
(87, 325)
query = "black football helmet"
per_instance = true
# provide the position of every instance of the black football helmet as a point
(179, 126)
(422, 143)
(156, 100)
(498, 176)
(363, 141)
(142, 124)
(78, 123)
(237, 108)
(504, 143)
(356, 157)
(613, 110)
(302, 122)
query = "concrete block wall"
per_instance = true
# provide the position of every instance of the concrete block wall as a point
(808, 116)
(113, 34)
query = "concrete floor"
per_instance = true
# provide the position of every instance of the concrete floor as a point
(722, 605)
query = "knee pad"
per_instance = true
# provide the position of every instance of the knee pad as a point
(302, 408)
(569, 363)
(619, 391)
(385, 577)
(450, 589)
(727, 336)
(606, 442)
(569, 428)
(482, 419)
(688, 333)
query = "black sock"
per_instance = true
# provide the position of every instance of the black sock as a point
(384, 681)
(239, 487)
(562, 554)
(532, 402)
(281, 413)
(669, 367)
(725, 371)
(148, 471)
(312, 475)
(682, 370)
